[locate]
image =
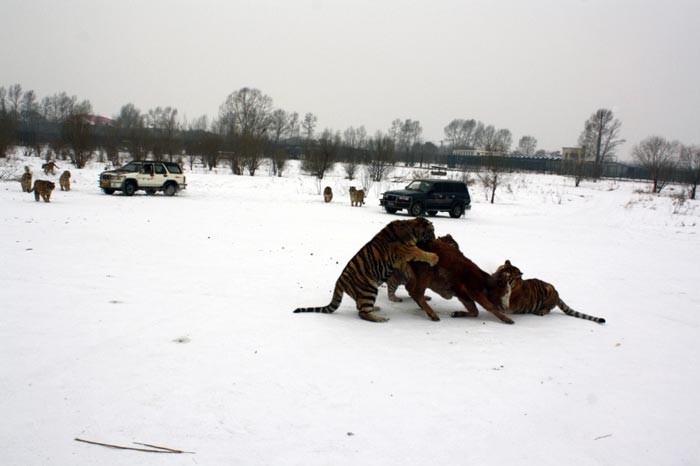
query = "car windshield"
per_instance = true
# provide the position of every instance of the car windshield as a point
(130, 167)
(418, 185)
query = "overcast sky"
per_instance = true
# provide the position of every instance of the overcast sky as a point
(536, 67)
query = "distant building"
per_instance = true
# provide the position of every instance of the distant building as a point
(573, 154)
(475, 152)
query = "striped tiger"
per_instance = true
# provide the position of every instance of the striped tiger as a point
(42, 188)
(532, 296)
(374, 263)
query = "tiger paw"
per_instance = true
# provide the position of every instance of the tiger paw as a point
(433, 259)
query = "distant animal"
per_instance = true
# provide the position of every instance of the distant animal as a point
(49, 167)
(532, 296)
(64, 181)
(26, 180)
(43, 188)
(455, 275)
(357, 196)
(374, 263)
(403, 274)
(327, 194)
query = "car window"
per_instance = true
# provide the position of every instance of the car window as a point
(419, 185)
(147, 168)
(174, 168)
(160, 169)
(131, 167)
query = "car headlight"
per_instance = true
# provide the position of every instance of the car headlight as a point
(403, 198)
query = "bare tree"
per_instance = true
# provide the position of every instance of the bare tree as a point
(381, 156)
(600, 138)
(245, 117)
(461, 133)
(132, 129)
(354, 144)
(690, 163)
(408, 135)
(321, 158)
(527, 146)
(293, 125)
(659, 157)
(14, 97)
(8, 125)
(78, 135)
(279, 125)
(211, 149)
(163, 127)
(309, 125)
(492, 174)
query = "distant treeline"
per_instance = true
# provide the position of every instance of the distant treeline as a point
(249, 129)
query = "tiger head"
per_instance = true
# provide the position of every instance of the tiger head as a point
(507, 274)
(417, 229)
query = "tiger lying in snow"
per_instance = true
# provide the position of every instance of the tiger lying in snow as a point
(531, 296)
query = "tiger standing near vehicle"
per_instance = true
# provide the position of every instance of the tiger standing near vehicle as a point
(357, 197)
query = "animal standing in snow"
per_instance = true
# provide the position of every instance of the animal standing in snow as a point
(357, 197)
(374, 263)
(64, 181)
(327, 194)
(532, 296)
(43, 188)
(26, 179)
(403, 274)
(455, 275)
(49, 167)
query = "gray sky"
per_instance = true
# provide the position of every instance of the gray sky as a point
(537, 67)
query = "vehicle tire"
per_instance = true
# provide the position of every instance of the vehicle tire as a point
(108, 190)
(150, 191)
(432, 213)
(170, 189)
(456, 211)
(390, 210)
(416, 209)
(130, 188)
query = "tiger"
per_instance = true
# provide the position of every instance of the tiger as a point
(404, 273)
(49, 167)
(26, 180)
(357, 197)
(532, 296)
(64, 181)
(374, 263)
(327, 194)
(43, 188)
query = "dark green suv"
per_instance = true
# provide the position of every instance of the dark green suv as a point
(429, 196)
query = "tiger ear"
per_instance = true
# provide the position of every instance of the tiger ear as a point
(508, 262)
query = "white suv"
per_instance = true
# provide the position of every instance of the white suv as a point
(151, 176)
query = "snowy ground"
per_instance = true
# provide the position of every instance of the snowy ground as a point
(169, 321)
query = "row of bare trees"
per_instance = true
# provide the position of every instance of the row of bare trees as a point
(249, 129)
(663, 158)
